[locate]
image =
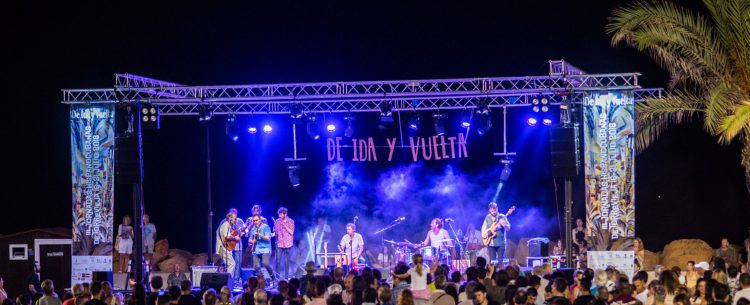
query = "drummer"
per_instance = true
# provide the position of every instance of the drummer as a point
(438, 237)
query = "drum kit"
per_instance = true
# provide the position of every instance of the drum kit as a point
(404, 251)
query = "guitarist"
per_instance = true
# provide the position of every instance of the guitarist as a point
(226, 241)
(497, 224)
(260, 245)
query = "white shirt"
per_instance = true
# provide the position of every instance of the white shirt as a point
(643, 296)
(438, 240)
(418, 282)
(357, 243)
(744, 293)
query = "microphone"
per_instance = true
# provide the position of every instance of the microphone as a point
(400, 219)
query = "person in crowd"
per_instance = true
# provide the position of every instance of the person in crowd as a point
(260, 297)
(156, 282)
(744, 292)
(558, 249)
(681, 299)
(439, 296)
(3, 294)
(406, 297)
(624, 296)
(660, 295)
(210, 298)
(33, 284)
(107, 293)
(369, 296)
(691, 276)
(575, 289)
(124, 243)
(138, 297)
(49, 298)
(163, 300)
(559, 287)
(533, 296)
(225, 296)
(77, 290)
(727, 253)
(640, 252)
(96, 294)
(585, 297)
(700, 297)
(384, 295)
(641, 293)
(480, 296)
(721, 294)
(176, 277)
(174, 294)
(467, 296)
(733, 279)
(186, 296)
(309, 273)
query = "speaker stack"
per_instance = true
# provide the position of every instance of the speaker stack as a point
(564, 147)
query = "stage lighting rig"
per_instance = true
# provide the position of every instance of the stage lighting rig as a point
(349, 131)
(295, 111)
(231, 128)
(414, 122)
(484, 120)
(150, 118)
(313, 129)
(204, 114)
(439, 123)
(386, 112)
(505, 173)
(294, 171)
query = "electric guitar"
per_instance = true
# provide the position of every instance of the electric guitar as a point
(491, 232)
(254, 241)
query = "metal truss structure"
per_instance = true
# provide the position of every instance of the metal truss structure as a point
(563, 81)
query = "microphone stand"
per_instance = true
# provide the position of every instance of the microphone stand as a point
(458, 242)
(226, 249)
(382, 243)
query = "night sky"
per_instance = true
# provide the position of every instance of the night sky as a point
(687, 186)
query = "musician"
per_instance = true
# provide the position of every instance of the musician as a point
(283, 228)
(473, 239)
(225, 237)
(437, 237)
(260, 242)
(496, 247)
(352, 243)
(256, 211)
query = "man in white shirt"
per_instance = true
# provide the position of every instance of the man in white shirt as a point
(352, 243)
(745, 291)
(641, 293)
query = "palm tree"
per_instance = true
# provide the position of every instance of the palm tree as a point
(708, 59)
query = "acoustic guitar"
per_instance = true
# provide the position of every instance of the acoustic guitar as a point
(491, 232)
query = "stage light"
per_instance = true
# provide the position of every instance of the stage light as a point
(386, 112)
(547, 121)
(295, 111)
(150, 116)
(252, 129)
(465, 124)
(331, 127)
(535, 108)
(535, 101)
(439, 123)
(414, 122)
(267, 128)
(484, 121)
(231, 128)
(545, 101)
(531, 121)
(349, 132)
(313, 130)
(294, 174)
(545, 108)
(505, 173)
(204, 114)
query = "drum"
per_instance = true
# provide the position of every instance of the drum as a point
(445, 257)
(428, 253)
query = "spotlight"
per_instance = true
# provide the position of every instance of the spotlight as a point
(465, 120)
(465, 124)
(386, 112)
(267, 128)
(231, 128)
(349, 132)
(204, 114)
(294, 174)
(545, 108)
(484, 121)
(505, 173)
(295, 111)
(535, 108)
(313, 130)
(150, 116)
(331, 128)
(531, 121)
(414, 122)
(545, 101)
(252, 129)
(439, 123)
(547, 121)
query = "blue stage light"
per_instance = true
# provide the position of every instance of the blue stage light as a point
(531, 121)
(331, 127)
(267, 128)
(547, 122)
(231, 128)
(414, 122)
(252, 129)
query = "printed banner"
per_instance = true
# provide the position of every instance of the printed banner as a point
(623, 261)
(609, 158)
(92, 138)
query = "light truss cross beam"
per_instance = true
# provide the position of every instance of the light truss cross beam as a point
(175, 99)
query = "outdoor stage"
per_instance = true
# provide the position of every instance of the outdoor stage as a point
(376, 150)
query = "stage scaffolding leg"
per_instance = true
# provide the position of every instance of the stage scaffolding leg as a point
(210, 212)
(569, 222)
(137, 265)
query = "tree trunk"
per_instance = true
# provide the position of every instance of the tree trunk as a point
(746, 160)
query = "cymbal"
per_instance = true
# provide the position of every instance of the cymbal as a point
(443, 240)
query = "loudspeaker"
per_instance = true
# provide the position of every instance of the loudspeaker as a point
(101, 276)
(216, 281)
(246, 273)
(538, 248)
(564, 146)
(127, 167)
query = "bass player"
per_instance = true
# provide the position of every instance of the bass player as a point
(494, 229)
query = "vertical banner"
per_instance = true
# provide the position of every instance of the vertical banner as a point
(609, 158)
(92, 139)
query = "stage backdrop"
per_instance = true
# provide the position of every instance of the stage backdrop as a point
(609, 158)
(92, 138)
